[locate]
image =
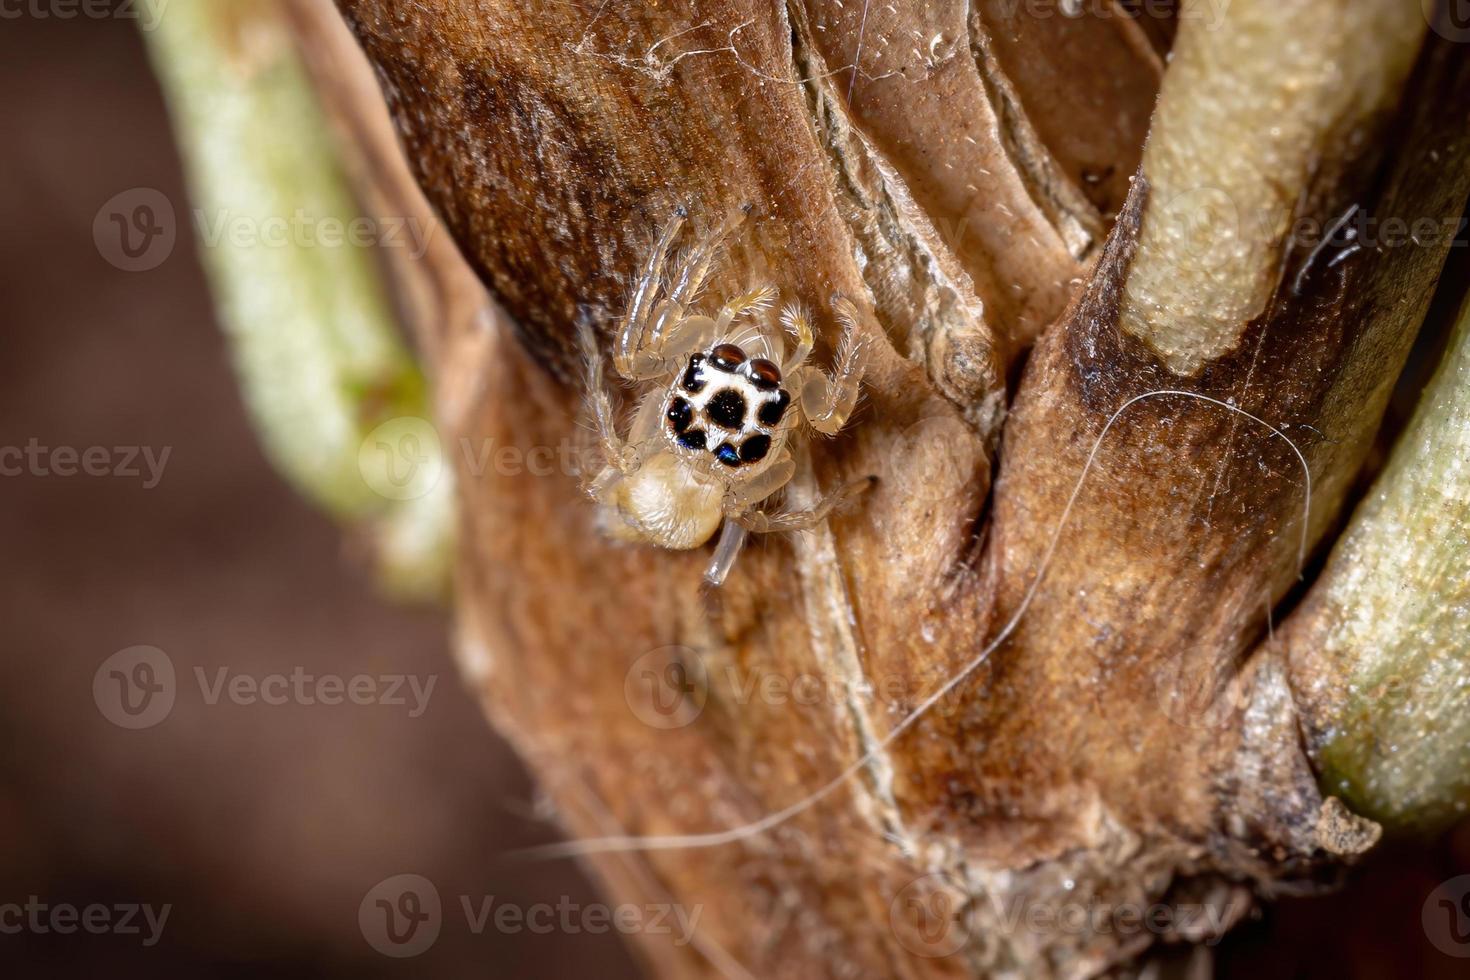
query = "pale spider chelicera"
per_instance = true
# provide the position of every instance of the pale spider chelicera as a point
(711, 440)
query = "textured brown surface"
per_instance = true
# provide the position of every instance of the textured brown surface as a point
(1083, 760)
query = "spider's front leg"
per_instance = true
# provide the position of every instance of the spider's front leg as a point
(657, 329)
(827, 402)
(649, 284)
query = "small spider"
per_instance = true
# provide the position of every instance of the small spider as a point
(711, 440)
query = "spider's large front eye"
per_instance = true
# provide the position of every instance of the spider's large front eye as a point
(727, 357)
(727, 409)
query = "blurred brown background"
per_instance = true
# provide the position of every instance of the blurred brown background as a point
(264, 826)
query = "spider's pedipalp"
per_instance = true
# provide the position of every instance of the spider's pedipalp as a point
(828, 401)
(799, 325)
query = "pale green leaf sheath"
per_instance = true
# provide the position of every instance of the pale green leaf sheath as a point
(1384, 661)
(299, 290)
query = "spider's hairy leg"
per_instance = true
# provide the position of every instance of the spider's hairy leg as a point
(826, 401)
(755, 301)
(799, 325)
(761, 522)
(643, 435)
(740, 500)
(744, 495)
(647, 287)
(604, 415)
(693, 268)
(691, 333)
(731, 540)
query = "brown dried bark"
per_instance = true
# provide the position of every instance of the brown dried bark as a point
(959, 184)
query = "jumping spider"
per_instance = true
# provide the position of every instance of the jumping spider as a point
(710, 441)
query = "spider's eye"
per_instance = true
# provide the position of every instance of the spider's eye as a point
(764, 375)
(771, 412)
(754, 449)
(727, 409)
(692, 382)
(694, 439)
(727, 357)
(726, 454)
(679, 415)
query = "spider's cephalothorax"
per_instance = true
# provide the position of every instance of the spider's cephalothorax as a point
(711, 441)
(728, 405)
